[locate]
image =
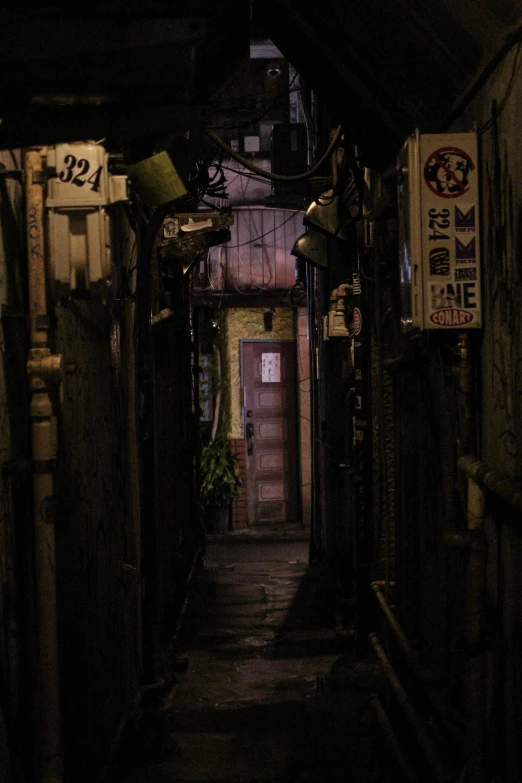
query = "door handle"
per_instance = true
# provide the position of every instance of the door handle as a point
(250, 438)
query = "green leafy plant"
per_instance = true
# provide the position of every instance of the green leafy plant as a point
(220, 477)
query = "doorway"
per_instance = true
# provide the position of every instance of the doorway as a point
(268, 369)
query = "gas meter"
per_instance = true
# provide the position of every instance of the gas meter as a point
(80, 190)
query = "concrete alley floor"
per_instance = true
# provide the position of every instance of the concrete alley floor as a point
(260, 700)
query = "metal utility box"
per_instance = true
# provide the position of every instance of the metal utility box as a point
(80, 189)
(289, 157)
(439, 232)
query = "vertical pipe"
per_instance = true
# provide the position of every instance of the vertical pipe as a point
(42, 369)
(315, 547)
(465, 386)
(474, 634)
(217, 406)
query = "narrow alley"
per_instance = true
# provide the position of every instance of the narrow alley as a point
(271, 693)
(260, 391)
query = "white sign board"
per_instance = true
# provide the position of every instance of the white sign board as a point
(450, 231)
(271, 367)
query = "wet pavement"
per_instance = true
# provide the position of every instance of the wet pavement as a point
(262, 699)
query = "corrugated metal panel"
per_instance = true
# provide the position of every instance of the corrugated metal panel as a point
(258, 254)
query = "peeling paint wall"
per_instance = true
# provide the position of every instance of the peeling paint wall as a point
(247, 324)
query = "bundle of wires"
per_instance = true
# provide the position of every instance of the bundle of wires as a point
(207, 179)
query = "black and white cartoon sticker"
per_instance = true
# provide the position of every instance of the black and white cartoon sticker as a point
(447, 172)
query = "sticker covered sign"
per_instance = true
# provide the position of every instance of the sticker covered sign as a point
(449, 231)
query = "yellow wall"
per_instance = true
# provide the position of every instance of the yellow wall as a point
(247, 324)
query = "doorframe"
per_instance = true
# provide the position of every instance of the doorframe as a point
(296, 402)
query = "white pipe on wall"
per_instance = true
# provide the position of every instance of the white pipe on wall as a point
(43, 369)
(217, 406)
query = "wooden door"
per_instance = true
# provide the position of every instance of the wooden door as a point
(270, 392)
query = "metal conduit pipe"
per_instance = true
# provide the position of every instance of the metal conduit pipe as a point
(43, 370)
(410, 713)
(487, 477)
(391, 739)
(217, 406)
(400, 636)
(475, 674)
(448, 717)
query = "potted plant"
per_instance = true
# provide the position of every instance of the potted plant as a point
(220, 484)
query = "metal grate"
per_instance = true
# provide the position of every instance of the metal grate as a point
(258, 256)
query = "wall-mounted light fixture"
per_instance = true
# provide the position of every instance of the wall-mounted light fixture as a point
(313, 248)
(268, 317)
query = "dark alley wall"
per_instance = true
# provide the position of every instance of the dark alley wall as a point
(101, 526)
(17, 619)
(498, 115)
(430, 430)
(98, 548)
(111, 551)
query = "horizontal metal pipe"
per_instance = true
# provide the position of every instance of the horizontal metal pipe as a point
(487, 477)
(391, 738)
(409, 711)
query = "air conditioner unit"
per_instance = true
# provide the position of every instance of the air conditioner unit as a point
(439, 237)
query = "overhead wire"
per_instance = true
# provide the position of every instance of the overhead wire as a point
(274, 177)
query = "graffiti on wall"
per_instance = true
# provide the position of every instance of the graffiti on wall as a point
(503, 372)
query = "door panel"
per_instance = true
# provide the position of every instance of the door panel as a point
(269, 381)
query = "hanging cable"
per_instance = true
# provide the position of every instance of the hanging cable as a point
(278, 177)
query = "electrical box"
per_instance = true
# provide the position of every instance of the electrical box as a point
(439, 232)
(289, 157)
(339, 320)
(80, 189)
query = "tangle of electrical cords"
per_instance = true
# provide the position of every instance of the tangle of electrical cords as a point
(334, 143)
(269, 107)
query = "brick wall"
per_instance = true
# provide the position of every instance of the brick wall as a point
(239, 505)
